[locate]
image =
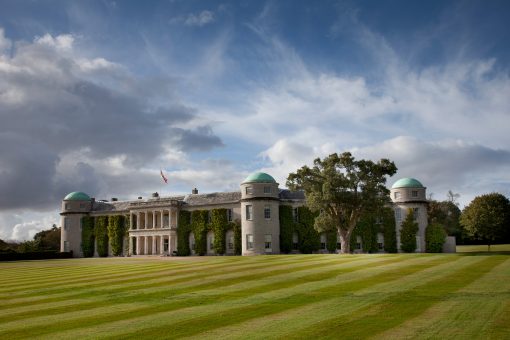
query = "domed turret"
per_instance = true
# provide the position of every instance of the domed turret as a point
(409, 196)
(74, 206)
(260, 225)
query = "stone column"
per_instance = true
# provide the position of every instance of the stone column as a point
(138, 226)
(162, 244)
(130, 249)
(146, 245)
(138, 246)
(154, 245)
(153, 220)
(130, 220)
(162, 212)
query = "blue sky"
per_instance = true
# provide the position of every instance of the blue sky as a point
(97, 96)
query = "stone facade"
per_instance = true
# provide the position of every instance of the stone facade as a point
(153, 222)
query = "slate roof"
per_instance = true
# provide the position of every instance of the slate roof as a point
(213, 198)
(286, 194)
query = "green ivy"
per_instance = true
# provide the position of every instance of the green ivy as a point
(238, 246)
(408, 232)
(116, 233)
(287, 228)
(219, 226)
(101, 228)
(435, 236)
(183, 230)
(199, 229)
(87, 236)
(331, 238)
(309, 238)
(389, 230)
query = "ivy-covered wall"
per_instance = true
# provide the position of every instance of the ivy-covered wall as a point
(101, 233)
(308, 237)
(87, 236)
(370, 224)
(116, 233)
(183, 230)
(219, 225)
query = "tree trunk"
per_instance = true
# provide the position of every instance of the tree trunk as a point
(345, 241)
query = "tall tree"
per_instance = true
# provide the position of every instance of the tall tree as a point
(341, 189)
(487, 218)
(447, 214)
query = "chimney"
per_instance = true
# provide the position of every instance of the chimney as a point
(155, 194)
(194, 191)
(139, 197)
(114, 199)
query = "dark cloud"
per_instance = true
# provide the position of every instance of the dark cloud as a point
(55, 103)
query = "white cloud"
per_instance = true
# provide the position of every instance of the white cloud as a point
(200, 19)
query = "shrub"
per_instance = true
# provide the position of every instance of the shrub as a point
(434, 238)
(87, 236)
(408, 232)
(101, 234)
(116, 233)
(183, 231)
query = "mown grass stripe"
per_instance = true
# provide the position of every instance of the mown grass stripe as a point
(140, 286)
(95, 320)
(469, 312)
(400, 307)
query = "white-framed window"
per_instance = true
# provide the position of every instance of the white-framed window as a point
(67, 223)
(267, 212)
(398, 214)
(66, 206)
(249, 190)
(268, 242)
(414, 193)
(323, 241)
(249, 212)
(295, 214)
(267, 190)
(231, 243)
(249, 241)
(295, 241)
(416, 213)
(396, 195)
(66, 246)
(229, 215)
(211, 243)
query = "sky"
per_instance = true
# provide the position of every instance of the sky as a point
(99, 96)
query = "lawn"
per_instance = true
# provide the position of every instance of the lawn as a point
(484, 248)
(296, 296)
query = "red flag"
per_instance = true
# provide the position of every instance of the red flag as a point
(163, 176)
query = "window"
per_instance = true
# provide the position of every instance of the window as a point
(398, 214)
(267, 242)
(165, 244)
(358, 245)
(323, 241)
(229, 215)
(66, 224)
(396, 195)
(249, 241)
(249, 190)
(211, 243)
(414, 193)
(66, 206)
(82, 205)
(380, 245)
(295, 214)
(208, 216)
(66, 246)
(267, 190)
(416, 213)
(295, 241)
(231, 243)
(249, 212)
(267, 212)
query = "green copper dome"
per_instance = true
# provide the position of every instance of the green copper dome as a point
(77, 196)
(407, 183)
(259, 177)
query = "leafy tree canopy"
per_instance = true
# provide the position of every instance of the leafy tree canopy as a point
(447, 214)
(487, 218)
(341, 189)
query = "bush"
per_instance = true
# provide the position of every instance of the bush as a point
(219, 225)
(435, 236)
(287, 228)
(116, 233)
(199, 229)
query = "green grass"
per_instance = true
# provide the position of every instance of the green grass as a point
(483, 248)
(293, 297)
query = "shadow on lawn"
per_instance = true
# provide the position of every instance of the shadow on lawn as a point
(484, 253)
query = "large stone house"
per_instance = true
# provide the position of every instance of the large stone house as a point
(154, 222)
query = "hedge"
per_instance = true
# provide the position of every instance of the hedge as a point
(35, 255)
(408, 233)
(116, 233)
(219, 226)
